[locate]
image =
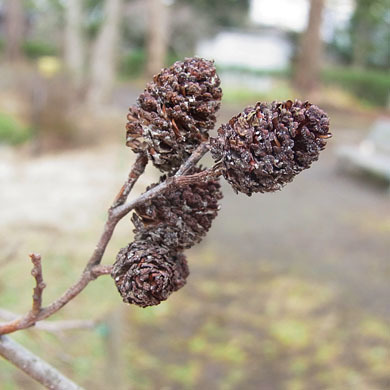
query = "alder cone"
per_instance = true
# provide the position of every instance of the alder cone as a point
(175, 112)
(146, 275)
(266, 146)
(181, 218)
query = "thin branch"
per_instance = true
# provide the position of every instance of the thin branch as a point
(197, 154)
(34, 366)
(172, 182)
(30, 318)
(40, 284)
(137, 170)
(169, 183)
(116, 212)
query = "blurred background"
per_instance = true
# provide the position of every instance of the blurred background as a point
(289, 290)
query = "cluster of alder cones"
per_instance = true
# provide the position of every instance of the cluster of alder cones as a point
(259, 150)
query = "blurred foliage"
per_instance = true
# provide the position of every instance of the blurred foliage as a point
(370, 33)
(35, 49)
(369, 85)
(12, 131)
(93, 11)
(224, 13)
(133, 63)
(365, 42)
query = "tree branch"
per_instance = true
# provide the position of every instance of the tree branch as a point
(137, 170)
(34, 366)
(115, 213)
(198, 153)
(30, 363)
(32, 317)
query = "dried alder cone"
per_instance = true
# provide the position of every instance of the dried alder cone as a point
(146, 274)
(266, 146)
(175, 112)
(259, 150)
(181, 218)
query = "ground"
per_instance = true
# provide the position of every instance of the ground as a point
(288, 291)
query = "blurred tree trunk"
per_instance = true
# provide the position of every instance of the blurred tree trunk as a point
(103, 59)
(157, 36)
(361, 24)
(308, 67)
(74, 49)
(14, 29)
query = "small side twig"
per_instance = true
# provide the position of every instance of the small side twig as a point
(137, 170)
(198, 153)
(32, 316)
(40, 285)
(116, 212)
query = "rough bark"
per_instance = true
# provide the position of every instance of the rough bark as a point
(157, 36)
(309, 58)
(74, 48)
(103, 60)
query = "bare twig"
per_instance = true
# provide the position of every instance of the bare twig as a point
(32, 317)
(169, 183)
(34, 366)
(137, 170)
(24, 359)
(116, 212)
(198, 153)
(40, 284)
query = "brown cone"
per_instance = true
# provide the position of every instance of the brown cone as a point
(181, 218)
(266, 146)
(145, 274)
(175, 112)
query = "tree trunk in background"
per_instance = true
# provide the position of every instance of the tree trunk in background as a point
(157, 36)
(104, 54)
(14, 29)
(74, 49)
(309, 58)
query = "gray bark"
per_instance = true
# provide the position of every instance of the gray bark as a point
(34, 366)
(103, 60)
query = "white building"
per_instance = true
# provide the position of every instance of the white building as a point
(268, 47)
(266, 50)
